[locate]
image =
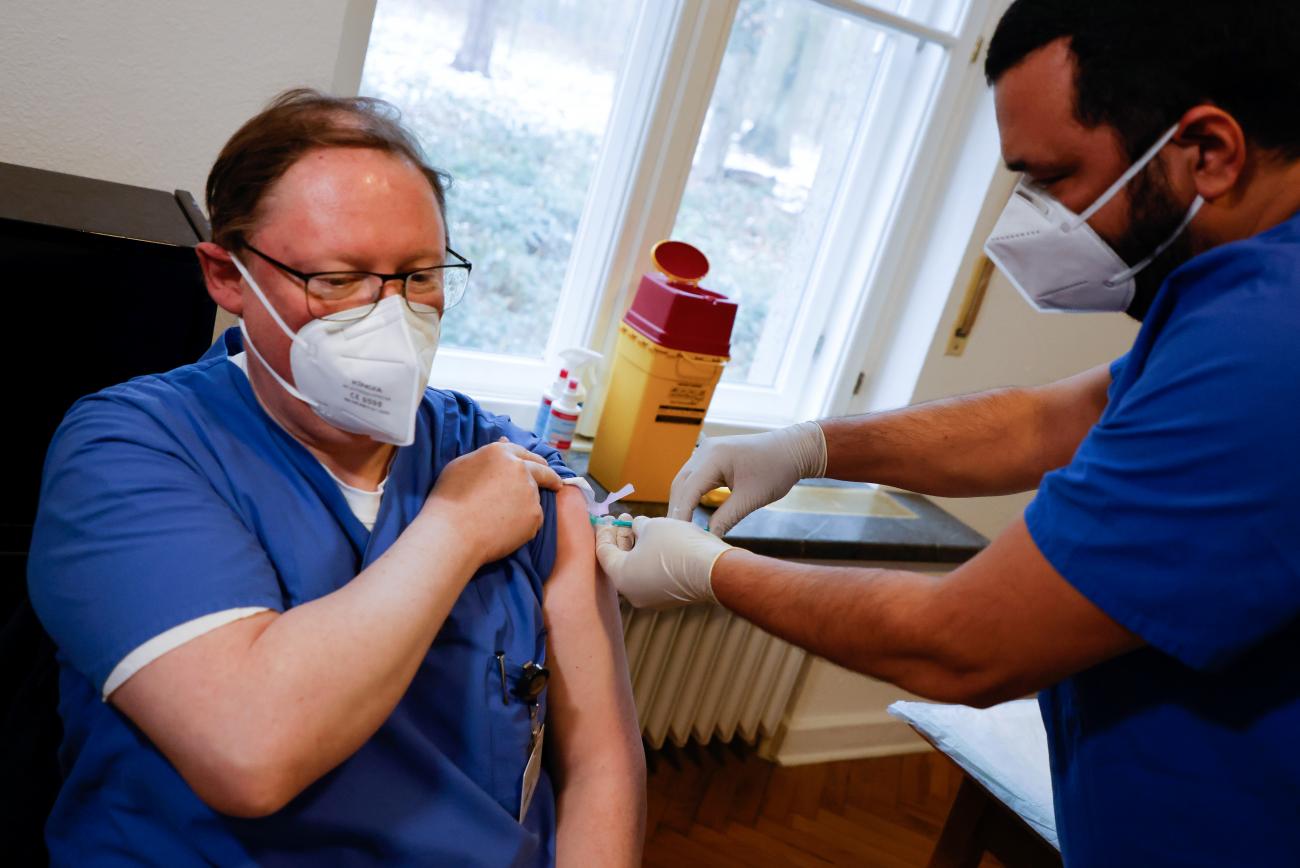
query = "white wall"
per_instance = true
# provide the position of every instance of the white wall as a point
(1014, 346)
(1011, 345)
(147, 91)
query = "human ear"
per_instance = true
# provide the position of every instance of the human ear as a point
(1215, 150)
(225, 284)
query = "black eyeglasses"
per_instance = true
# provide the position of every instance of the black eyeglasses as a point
(350, 295)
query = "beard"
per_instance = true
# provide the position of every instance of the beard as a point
(1154, 216)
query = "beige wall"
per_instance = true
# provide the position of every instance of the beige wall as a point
(1011, 345)
(146, 91)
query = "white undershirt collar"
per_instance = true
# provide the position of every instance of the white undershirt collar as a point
(364, 504)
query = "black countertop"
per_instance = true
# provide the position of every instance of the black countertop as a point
(932, 536)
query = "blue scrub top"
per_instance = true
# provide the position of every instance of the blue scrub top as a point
(174, 496)
(1180, 518)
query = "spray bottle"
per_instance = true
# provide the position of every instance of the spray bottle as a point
(563, 417)
(575, 362)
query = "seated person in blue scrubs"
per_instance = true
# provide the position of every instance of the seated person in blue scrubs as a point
(302, 601)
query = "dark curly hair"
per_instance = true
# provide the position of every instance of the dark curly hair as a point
(1142, 63)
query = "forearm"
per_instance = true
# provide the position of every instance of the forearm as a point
(332, 670)
(1002, 625)
(601, 817)
(305, 692)
(889, 624)
(975, 445)
(995, 442)
(593, 742)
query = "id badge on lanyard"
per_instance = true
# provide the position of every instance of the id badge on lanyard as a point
(532, 772)
(528, 689)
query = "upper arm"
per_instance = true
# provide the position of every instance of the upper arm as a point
(1178, 514)
(590, 702)
(1068, 410)
(1017, 625)
(178, 701)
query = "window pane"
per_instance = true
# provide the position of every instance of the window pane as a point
(941, 14)
(511, 98)
(792, 92)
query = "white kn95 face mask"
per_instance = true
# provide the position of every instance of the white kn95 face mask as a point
(366, 376)
(1057, 261)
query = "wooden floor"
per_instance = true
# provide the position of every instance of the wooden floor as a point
(725, 806)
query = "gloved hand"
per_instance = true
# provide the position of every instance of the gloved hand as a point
(659, 563)
(758, 468)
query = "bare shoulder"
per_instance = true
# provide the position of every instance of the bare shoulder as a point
(575, 539)
(177, 682)
(576, 594)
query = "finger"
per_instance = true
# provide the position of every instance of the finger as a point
(623, 535)
(728, 515)
(607, 534)
(639, 525)
(544, 476)
(610, 556)
(520, 452)
(683, 498)
(677, 498)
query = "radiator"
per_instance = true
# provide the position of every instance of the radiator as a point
(700, 673)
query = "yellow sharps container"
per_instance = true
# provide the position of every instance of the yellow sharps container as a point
(672, 346)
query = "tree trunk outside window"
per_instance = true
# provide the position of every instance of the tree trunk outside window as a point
(475, 54)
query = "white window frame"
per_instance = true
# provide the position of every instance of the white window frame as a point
(861, 271)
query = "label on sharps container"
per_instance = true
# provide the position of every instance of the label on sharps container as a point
(677, 414)
(689, 395)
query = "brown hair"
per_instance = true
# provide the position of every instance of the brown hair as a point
(292, 124)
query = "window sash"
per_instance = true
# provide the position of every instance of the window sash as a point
(650, 142)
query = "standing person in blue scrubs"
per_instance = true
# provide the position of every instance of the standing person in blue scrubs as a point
(305, 607)
(1151, 592)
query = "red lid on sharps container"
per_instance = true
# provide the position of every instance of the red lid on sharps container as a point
(674, 311)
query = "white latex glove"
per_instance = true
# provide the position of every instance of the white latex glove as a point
(659, 563)
(758, 468)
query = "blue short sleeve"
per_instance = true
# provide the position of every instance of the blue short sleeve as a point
(475, 427)
(1178, 514)
(132, 539)
(502, 426)
(1116, 370)
(542, 547)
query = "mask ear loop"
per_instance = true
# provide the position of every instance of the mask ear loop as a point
(1122, 181)
(275, 315)
(1132, 272)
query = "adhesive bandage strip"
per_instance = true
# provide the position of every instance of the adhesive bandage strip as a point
(595, 507)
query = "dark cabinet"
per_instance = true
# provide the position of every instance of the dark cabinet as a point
(99, 284)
